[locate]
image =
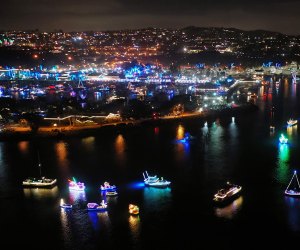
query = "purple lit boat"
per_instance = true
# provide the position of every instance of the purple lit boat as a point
(77, 186)
(93, 206)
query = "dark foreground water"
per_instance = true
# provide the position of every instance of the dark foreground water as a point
(240, 149)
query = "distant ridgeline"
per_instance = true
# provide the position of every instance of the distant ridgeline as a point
(187, 45)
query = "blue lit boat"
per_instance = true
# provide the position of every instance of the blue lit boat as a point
(283, 139)
(154, 181)
(293, 189)
(187, 137)
(227, 194)
(93, 206)
(107, 187)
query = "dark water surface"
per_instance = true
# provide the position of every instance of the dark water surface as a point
(240, 149)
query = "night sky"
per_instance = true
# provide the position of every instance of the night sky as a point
(101, 15)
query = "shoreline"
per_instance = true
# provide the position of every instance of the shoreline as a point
(25, 133)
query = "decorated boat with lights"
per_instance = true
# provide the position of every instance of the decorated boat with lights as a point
(133, 209)
(65, 205)
(42, 182)
(76, 186)
(39, 182)
(93, 206)
(228, 193)
(293, 189)
(291, 122)
(154, 181)
(283, 139)
(107, 187)
(111, 193)
(187, 138)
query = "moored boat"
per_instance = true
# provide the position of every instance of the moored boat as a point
(291, 122)
(42, 182)
(154, 181)
(293, 189)
(283, 139)
(187, 138)
(107, 187)
(134, 209)
(111, 193)
(39, 182)
(228, 193)
(76, 186)
(65, 205)
(93, 206)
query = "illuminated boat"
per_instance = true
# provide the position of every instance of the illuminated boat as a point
(291, 122)
(65, 205)
(76, 186)
(293, 189)
(92, 206)
(134, 209)
(40, 182)
(283, 139)
(111, 193)
(227, 193)
(154, 181)
(107, 187)
(187, 137)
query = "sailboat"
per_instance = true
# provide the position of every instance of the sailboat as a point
(293, 189)
(41, 181)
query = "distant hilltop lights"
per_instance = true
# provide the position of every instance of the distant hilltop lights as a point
(148, 43)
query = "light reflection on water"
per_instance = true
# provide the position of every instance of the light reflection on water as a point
(157, 199)
(98, 219)
(120, 146)
(292, 131)
(231, 210)
(293, 207)
(40, 193)
(135, 228)
(88, 143)
(282, 170)
(77, 198)
(24, 147)
(182, 149)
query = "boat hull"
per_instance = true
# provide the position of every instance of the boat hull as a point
(66, 206)
(157, 185)
(76, 189)
(109, 189)
(227, 201)
(292, 194)
(111, 193)
(97, 209)
(39, 184)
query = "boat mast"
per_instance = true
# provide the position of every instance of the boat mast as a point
(297, 180)
(39, 164)
(295, 173)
